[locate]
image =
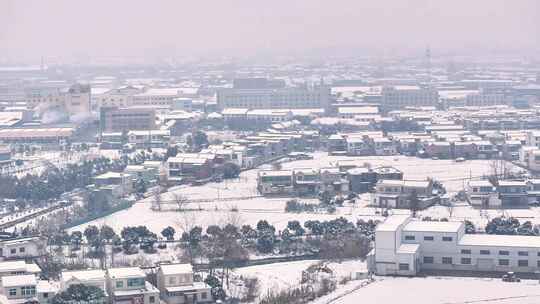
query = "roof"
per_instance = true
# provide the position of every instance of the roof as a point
(512, 183)
(35, 132)
(168, 269)
(480, 183)
(112, 174)
(16, 266)
(432, 226)
(408, 248)
(83, 275)
(125, 272)
(517, 241)
(276, 172)
(194, 286)
(234, 111)
(358, 110)
(46, 286)
(393, 222)
(405, 183)
(19, 280)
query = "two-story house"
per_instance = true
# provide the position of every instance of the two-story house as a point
(128, 285)
(26, 289)
(95, 277)
(176, 285)
(482, 194)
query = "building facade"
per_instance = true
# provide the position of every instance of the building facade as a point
(406, 246)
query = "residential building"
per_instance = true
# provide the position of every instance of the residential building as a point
(405, 246)
(397, 193)
(128, 285)
(275, 182)
(512, 193)
(22, 248)
(177, 286)
(190, 166)
(26, 289)
(482, 194)
(127, 119)
(116, 184)
(149, 138)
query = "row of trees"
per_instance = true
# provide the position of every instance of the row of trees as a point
(511, 226)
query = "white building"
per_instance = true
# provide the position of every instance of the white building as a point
(406, 246)
(128, 285)
(399, 97)
(26, 289)
(21, 248)
(19, 267)
(176, 285)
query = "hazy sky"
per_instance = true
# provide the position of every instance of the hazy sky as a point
(63, 28)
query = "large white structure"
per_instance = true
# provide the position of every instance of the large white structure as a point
(400, 97)
(405, 246)
(262, 95)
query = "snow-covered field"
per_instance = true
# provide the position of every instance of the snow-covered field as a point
(448, 290)
(213, 203)
(282, 276)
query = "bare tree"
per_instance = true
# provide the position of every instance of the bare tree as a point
(180, 200)
(450, 209)
(156, 198)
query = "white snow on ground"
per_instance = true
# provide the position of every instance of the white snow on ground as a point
(448, 290)
(282, 276)
(277, 276)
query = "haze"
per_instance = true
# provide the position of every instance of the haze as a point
(67, 28)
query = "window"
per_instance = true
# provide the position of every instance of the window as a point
(135, 282)
(152, 299)
(204, 295)
(504, 262)
(523, 263)
(409, 237)
(45, 295)
(13, 251)
(22, 249)
(119, 284)
(537, 263)
(447, 260)
(447, 238)
(484, 252)
(172, 280)
(466, 261)
(403, 266)
(523, 253)
(504, 252)
(428, 260)
(428, 238)
(13, 292)
(465, 251)
(28, 290)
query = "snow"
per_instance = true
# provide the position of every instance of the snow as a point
(448, 290)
